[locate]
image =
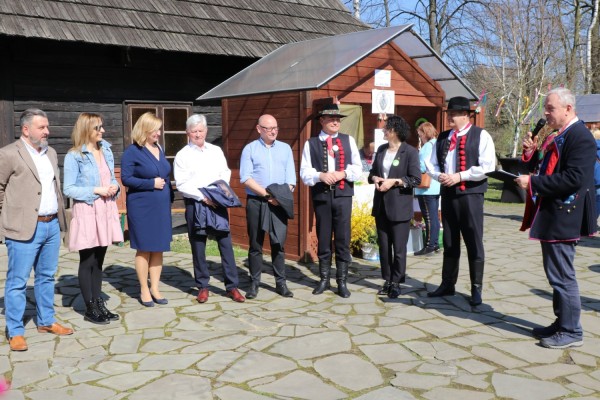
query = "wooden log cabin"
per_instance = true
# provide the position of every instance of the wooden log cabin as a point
(122, 58)
(292, 82)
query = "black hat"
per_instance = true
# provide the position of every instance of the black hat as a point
(459, 103)
(330, 110)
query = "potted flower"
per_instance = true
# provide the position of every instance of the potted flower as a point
(363, 235)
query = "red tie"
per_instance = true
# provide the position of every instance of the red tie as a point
(453, 141)
(329, 142)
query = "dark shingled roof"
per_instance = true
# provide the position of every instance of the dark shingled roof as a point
(247, 28)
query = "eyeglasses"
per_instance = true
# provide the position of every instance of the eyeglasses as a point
(271, 129)
(97, 128)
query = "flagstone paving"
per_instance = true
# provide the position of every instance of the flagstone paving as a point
(323, 347)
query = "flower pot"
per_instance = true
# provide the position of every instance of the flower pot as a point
(370, 251)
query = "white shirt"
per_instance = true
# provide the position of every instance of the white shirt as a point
(487, 159)
(310, 176)
(196, 167)
(49, 201)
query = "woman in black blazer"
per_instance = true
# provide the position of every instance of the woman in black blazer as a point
(395, 173)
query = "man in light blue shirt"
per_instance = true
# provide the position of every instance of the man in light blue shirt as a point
(267, 167)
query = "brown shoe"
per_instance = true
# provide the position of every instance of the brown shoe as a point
(202, 295)
(17, 343)
(236, 295)
(56, 329)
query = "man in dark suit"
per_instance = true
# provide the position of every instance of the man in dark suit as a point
(462, 157)
(562, 204)
(330, 165)
(32, 215)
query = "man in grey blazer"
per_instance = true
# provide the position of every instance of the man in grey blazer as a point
(32, 215)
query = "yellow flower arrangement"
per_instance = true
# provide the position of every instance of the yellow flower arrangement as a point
(362, 227)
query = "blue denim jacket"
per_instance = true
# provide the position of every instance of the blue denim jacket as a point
(82, 174)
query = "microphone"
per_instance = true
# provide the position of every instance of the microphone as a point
(538, 127)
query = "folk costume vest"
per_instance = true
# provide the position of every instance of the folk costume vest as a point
(467, 155)
(319, 161)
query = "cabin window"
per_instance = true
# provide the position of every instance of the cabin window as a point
(173, 115)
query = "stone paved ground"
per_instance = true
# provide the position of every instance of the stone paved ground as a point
(318, 347)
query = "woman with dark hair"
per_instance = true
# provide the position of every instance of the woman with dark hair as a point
(395, 173)
(429, 198)
(90, 182)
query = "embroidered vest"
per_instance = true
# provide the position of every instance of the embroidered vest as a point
(470, 158)
(319, 161)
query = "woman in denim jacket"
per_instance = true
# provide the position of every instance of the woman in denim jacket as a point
(90, 181)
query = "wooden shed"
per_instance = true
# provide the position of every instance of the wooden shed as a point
(122, 58)
(293, 81)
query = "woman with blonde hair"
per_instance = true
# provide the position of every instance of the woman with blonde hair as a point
(146, 173)
(90, 182)
(428, 198)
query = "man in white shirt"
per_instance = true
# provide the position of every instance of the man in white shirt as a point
(460, 160)
(198, 165)
(330, 165)
(32, 215)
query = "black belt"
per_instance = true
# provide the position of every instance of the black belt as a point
(259, 198)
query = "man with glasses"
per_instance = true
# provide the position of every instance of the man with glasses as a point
(330, 166)
(268, 173)
(32, 215)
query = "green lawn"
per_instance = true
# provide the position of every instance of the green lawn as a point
(182, 245)
(494, 191)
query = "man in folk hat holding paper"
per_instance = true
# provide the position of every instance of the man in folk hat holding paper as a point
(462, 157)
(330, 165)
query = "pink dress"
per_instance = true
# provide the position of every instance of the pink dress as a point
(98, 224)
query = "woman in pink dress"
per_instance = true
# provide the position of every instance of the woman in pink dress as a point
(90, 182)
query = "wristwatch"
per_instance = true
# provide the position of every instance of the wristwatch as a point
(396, 183)
(267, 196)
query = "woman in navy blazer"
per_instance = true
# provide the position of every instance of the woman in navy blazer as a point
(395, 173)
(146, 173)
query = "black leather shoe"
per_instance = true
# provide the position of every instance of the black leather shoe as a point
(425, 251)
(252, 292)
(385, 288)
(282, 290)
(442, 290)
(394, 290)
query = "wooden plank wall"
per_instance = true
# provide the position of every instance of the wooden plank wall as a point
(66, 78)
(240, 117)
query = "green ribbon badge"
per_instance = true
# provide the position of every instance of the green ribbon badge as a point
(395, 163)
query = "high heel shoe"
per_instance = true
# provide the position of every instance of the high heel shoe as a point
(146, 303)
(159, 301)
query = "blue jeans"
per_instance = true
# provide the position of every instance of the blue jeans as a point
(429, 209)
(41, 254)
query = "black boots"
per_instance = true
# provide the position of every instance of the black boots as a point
(324, 272)
(104, 311)
(93, 314)
(449, 277)
(476, 275)
(341, 277)
(475, 295)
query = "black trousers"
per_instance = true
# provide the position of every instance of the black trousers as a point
(333, 217)
(256, 236)
(90, 272)
(392, 237)
(463, 215)
(198, 245)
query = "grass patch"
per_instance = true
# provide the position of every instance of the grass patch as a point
(494, 191)
(182, 245)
